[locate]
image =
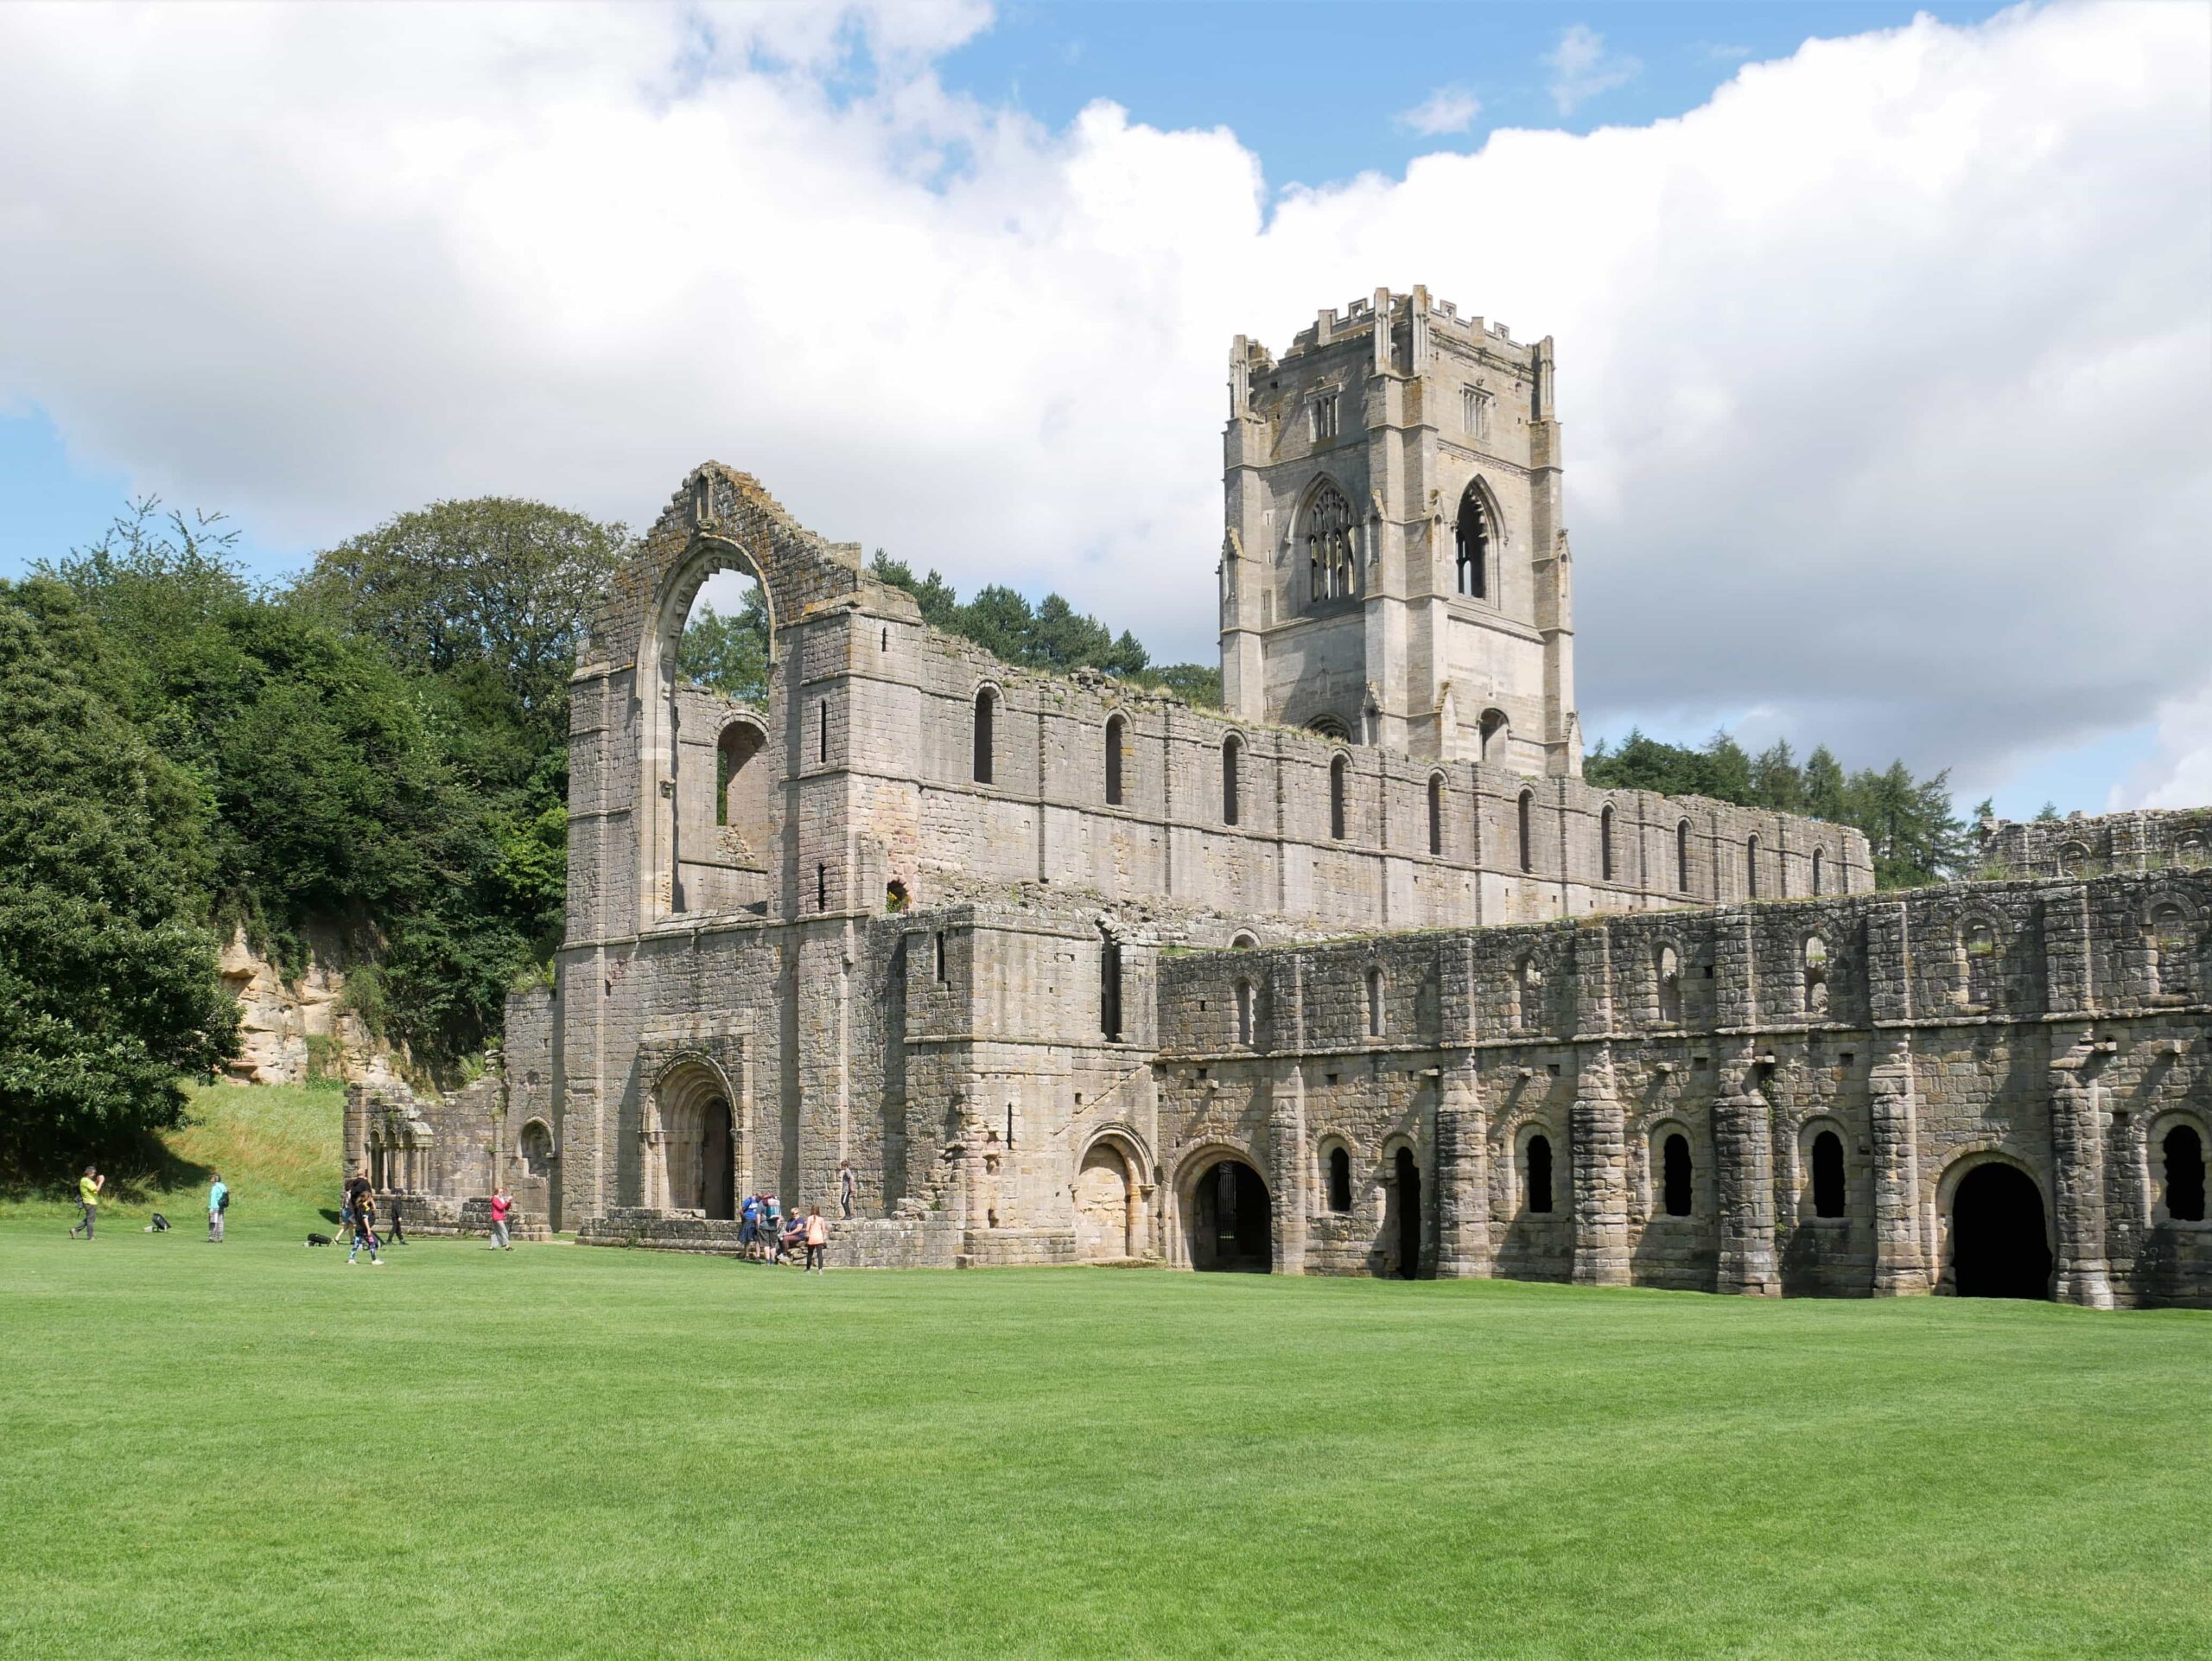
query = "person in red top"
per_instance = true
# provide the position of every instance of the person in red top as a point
(502, 1203)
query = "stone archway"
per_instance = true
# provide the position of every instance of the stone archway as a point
(691, 1146)
(2000, 1242)
(1231, 1223)
(1108, 1211)
(1406, 1221)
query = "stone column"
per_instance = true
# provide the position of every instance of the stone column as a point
(2077, 1146)
(356, 1131)
(1893, 1111)
(1287, 1153)
(1900, 1262)
(1464, 1249)
(1743, 1148)
(1600, 1137)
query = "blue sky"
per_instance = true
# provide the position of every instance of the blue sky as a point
(1317, 89)
(450, 341)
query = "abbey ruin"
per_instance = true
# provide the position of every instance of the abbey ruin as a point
(1356, 976)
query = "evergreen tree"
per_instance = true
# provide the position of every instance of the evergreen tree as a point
(1776, 780)
(1826, 791)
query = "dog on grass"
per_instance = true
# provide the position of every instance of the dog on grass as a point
(319, 1240)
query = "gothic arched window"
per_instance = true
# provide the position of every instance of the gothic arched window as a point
(1472, 535)
(1331, 567)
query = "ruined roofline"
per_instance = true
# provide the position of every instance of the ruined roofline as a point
(1961, 895)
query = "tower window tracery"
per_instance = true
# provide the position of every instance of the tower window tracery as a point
(1472, 537)
(1332, 569)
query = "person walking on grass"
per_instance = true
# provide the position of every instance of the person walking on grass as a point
(817, 1238)
(502, 1203)
(365, 1226)
(88, 1198)
(219, 1202)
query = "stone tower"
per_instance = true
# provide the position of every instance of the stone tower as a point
(1395, 570)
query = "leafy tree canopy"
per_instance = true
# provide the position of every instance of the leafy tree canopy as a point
(108, 990)
(1051, 635)
(729, 654)
(1915, 836)
(495, 581)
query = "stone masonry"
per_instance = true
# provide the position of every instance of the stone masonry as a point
(1359, 976)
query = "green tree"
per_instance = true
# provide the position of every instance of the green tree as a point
(932, 592)
(1777, 782)
(495, 581)
(108, 989)
(1915, 838)
(729, 654)
(1826, 791)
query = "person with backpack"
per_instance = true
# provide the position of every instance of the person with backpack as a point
(88, 1199)
(502, 1203)
(749, 1225)
(219, 1202)
(817, 1238)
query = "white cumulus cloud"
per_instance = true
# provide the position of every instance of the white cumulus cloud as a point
(1448, 109)
(1884, 372)
(1581, 68)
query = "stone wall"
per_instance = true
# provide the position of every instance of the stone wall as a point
(2080, 846)
(2035, 1024)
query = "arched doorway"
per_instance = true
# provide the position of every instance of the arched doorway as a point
(1406, 1184)
(692, 1148)
(1232, 1229)
(1109, 1214)
(1999, 1247)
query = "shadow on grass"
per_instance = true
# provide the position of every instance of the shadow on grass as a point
(142, 1171)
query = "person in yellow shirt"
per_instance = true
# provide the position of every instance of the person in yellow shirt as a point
(88, 1196)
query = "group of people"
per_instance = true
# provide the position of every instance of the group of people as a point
(93, 1183)
(766, 1235)
(357, 1211)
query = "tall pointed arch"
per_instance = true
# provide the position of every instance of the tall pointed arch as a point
(1477, 534)
(1326, 534)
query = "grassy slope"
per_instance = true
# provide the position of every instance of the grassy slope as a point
(569, 1452)
(277, 1146)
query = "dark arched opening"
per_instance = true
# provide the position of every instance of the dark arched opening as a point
(1536, 1175)
(717, 1164)
(1827, 1174)
(1471, 535)
(1231, 1228)
(1999, 1245)
(2184, 1152)
(1337, 792)
(1339, 1180)
(1675, 1160)
(987, 706)
(1117, 734)
(1408, 1242)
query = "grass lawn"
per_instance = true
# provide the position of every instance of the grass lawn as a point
(252, 1450)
